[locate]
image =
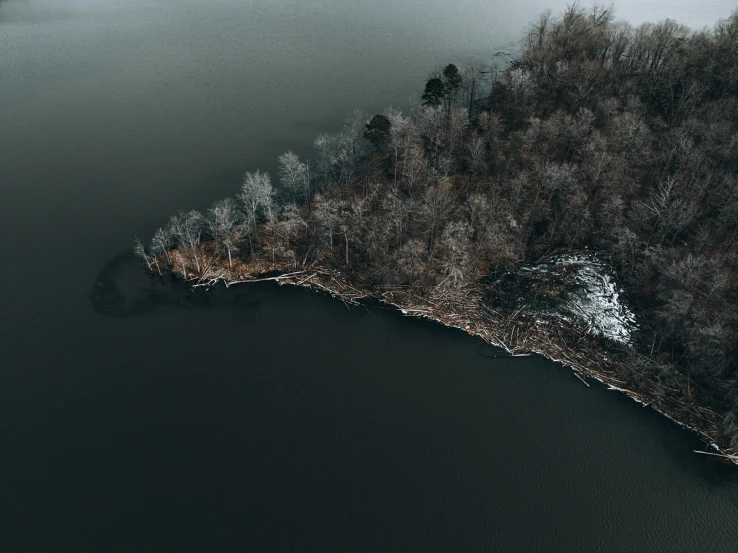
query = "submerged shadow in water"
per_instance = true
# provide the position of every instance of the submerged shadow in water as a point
(124, 289)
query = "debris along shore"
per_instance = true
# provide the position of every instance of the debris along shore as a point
(594, 345)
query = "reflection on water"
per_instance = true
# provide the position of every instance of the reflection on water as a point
(124, 289)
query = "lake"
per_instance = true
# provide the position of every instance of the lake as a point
(136, 416)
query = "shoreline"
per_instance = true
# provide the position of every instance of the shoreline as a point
(517, 333)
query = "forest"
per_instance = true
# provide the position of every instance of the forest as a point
(602, 137)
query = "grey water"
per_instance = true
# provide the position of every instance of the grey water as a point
(136, 416)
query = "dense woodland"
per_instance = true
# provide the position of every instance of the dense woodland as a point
(601, 136)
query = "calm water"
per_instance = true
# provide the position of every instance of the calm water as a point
(265, 418)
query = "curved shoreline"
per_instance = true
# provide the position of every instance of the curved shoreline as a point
(517, 333)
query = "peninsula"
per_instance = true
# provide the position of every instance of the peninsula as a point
(580, 203)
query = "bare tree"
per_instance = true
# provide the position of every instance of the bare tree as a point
(435, 209)
(412, 261)
(140, 251)
(187, 229)
(294, 176)
(291, 227)
(222, 220)
(327, 219)
(161, 243)
(456, 254)
(257, 201)
(396, 209)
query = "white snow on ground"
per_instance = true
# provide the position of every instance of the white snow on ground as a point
(595, 300)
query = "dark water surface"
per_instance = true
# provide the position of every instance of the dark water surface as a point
(142, 418)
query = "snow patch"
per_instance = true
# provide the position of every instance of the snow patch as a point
(595, 297)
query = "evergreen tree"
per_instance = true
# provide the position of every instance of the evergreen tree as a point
(435, 92)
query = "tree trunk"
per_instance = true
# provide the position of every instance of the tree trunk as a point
(194, 254)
